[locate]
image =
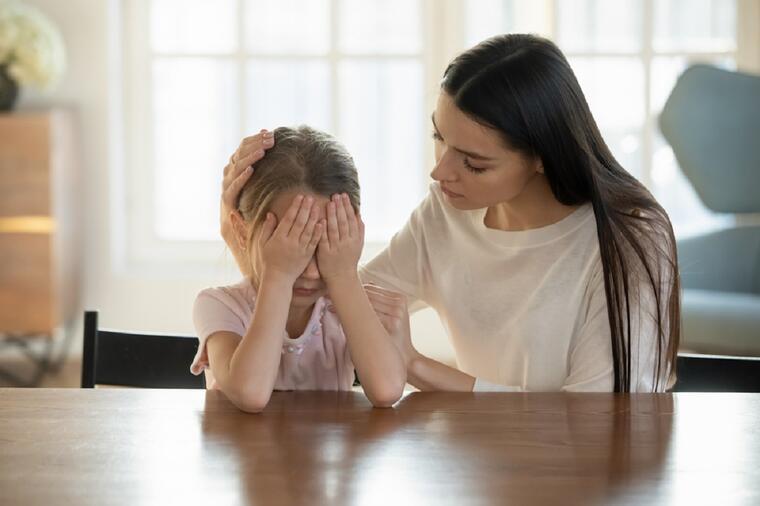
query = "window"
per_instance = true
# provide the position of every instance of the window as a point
(207, 73)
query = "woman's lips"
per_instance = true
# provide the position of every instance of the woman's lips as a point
(450, 193)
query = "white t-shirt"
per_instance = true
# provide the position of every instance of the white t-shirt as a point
(525, 310)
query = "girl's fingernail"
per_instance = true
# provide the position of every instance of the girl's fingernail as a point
(249, 169)
(258, 152)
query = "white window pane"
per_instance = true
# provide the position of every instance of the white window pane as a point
(193, 26)
(382, 123)
(486, 18)
(694, 25)
(599, 25)
(195, 129)
(287, 26)
(625, 144)
(676, 194)
(380, 26)
(287, 93)
(665, 72)
(614, 89)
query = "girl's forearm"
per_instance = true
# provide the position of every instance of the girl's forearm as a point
(378, 361)
(256, 361)
(430, 375)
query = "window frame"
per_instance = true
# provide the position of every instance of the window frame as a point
(141, 250)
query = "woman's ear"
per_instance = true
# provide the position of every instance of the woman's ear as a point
(239, 229)
(539, 166)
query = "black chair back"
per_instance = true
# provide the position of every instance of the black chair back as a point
(717, 373)
(135, 359)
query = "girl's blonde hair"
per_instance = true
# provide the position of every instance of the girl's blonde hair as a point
(301, 158)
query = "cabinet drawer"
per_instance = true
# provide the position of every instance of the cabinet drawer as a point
(25, 145)
(24, 189)
(26, 286)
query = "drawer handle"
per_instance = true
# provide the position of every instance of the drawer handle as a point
(27, 225)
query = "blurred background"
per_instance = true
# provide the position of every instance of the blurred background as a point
(156, 95)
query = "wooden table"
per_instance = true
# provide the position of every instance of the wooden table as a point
(109, 447)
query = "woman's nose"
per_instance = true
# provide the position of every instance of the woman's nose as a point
(312, 270)
(442, 169)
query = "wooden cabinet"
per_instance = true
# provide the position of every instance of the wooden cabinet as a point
(41, 196)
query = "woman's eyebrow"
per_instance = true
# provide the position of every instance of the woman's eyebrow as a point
(475, 156)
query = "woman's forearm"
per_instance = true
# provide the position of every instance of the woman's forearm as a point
(378, 361)
(430, 375)
(256, 361)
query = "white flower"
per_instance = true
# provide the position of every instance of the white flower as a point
(30, 45)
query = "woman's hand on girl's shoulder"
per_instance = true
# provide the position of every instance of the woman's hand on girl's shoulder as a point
(285, 248)
(391, 308)
(341, 244)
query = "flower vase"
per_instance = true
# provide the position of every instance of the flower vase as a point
(8, 90)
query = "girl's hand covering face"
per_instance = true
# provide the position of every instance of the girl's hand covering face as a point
(285, 248)
(341, 245)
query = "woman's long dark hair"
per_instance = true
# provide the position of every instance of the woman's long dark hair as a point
(523, 87)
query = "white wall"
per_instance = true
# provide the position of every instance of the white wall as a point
(126, 299)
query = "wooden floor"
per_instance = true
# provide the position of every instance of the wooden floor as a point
(67, 375)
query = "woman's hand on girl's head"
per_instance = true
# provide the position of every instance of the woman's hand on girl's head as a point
(392, 311)
(236, 173)
(285, 248)
(341, 245)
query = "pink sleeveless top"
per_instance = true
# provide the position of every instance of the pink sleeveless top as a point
(316, 360)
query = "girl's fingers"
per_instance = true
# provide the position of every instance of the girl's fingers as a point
(310, 228)
(353, 226)
(332, 223)
(343, 231)
(324, 242)
(290, 216)
(267, 229)
(302, 217)
(361, 225)
(316, 237)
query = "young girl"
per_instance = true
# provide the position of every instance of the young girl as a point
(299, 233)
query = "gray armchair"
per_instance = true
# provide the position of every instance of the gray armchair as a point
(712, 122)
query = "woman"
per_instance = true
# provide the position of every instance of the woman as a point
(551, 267)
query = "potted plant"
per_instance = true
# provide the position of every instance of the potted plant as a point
(31, 51)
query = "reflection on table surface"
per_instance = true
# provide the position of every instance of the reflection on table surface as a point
(151, 446)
